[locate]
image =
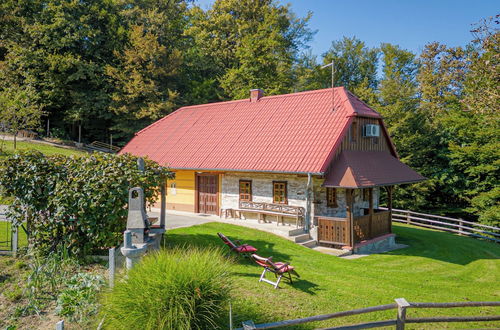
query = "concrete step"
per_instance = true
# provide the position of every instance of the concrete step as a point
(295, 232)
(301, 238)
(310, 243)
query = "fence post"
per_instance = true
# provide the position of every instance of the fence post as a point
(460, 230)
(408, 220)
(60, 325)
(402, 305)
(111, 267)
(15, 240)
(230, 316)
(249, 325)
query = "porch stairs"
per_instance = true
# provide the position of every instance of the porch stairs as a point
(300, 237)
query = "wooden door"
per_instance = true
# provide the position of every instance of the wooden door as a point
(207, 187)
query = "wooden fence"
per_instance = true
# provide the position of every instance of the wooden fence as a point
(457, 226)
(401, 305)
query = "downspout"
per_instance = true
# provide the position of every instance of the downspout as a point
(307, 224)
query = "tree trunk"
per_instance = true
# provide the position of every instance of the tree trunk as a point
(15, 141)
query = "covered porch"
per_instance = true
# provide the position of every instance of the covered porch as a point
(360, 173)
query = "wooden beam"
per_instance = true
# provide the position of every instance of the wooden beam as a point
(349, 214)
(370, 196)
(389, 205)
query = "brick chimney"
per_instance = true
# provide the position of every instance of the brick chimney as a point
(256, 94)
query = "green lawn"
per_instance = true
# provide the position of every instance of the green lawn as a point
(437, 267)
(8, 148)
(5, 234)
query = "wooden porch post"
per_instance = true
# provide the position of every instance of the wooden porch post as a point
(389, 205)
(349, 213)
(370, 196)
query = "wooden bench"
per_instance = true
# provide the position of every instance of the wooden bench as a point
(277, 210)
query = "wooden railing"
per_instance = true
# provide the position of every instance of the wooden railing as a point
(400, 321)
(380, 225)
(278, 208)
(104, 146)
(335, 231)
(457, 226)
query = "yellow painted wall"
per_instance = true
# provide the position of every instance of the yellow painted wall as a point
(184, 197)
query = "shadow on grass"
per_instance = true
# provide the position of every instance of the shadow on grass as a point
(443, 246)
(264, 248)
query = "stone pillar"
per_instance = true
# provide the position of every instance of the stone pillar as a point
(163, 202)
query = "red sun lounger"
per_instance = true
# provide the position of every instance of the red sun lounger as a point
(241, 249)
(279, 269)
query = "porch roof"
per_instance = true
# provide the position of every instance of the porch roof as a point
(365, 169)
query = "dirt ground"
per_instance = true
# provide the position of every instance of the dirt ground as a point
(13, 273)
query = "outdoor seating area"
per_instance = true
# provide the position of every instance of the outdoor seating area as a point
(268, 209)
(279, 269)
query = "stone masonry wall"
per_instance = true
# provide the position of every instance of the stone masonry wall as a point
(262, 188)
(262, 191)
(321, 208)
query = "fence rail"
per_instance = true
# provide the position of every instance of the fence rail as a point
(452, 225)
(401, 305)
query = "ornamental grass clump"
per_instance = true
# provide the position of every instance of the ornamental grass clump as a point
(171, 289)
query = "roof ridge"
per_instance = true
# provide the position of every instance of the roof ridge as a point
(264, 97)
(349, 93)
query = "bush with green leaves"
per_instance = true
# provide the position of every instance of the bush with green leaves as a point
(75, 203)
(78, 300)
(171, 289)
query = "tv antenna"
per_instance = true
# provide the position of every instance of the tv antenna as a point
(333, 90)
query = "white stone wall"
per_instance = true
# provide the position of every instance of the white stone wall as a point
(262, 188)
(321, 208)
(262, 191)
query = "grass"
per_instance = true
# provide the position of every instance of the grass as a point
(8, 148)
(436, 267)
(5, 230)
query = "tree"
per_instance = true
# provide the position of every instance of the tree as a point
(146, 73)
(19, 110)
(252, 44)
(354, 63)
(60, 49)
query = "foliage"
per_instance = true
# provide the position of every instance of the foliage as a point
(19, 109)
(435, 267)
(78, 300)
(354, 63)
(77, 204)
(44, 281)
(146, 72)
(251, 44)
(171, 289)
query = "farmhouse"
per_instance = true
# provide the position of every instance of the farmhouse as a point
(317, 159)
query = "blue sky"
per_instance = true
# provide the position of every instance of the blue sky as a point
(410, 24)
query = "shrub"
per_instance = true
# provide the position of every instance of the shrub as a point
(171, 289)
(75, 204)
(79, 298)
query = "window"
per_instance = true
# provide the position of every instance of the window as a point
(246, 190)
(173, 189)
(331, 197)
(354, 131)
(279, 192)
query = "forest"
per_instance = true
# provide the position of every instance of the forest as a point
(111, 67)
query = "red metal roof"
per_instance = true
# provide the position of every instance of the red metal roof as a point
(294, 133)
(362, 169)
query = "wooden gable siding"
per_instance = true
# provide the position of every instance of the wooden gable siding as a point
(361, 143)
